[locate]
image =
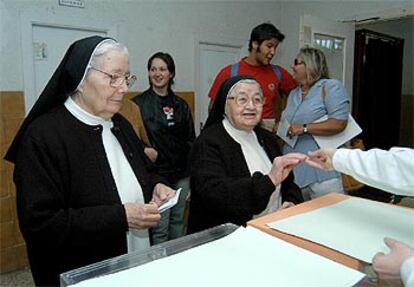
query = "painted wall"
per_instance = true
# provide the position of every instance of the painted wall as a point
(145, 27)
(169, 25)
(346, 10)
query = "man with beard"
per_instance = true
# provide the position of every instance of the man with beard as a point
(275, 81)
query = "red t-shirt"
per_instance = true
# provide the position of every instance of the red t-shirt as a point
(265, 76)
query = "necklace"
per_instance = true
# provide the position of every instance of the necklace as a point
(304, 89)
(303, 93)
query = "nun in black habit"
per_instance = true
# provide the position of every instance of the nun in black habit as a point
(85, 190)
(237, 169)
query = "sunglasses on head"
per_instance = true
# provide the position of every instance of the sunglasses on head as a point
(298, 62)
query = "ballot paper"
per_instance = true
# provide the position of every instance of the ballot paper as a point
(247, 257)
(171, 202)
(354, 226)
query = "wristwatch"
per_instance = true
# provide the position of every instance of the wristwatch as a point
(305, 128)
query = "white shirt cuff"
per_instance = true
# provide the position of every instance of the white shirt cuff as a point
(407, 272)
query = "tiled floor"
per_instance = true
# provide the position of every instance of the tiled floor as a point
(19, 278)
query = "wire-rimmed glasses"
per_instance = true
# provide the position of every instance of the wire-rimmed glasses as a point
(118, 80)
(243, 100)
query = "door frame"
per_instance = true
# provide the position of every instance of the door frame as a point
(34, 17)
(213, 41)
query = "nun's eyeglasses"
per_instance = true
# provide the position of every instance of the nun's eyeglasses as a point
(117, 80)
(242, 100)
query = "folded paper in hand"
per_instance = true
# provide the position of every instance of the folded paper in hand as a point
(171, 202)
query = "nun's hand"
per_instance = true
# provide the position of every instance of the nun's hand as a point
(151, 153)
(282, 165)
(162, 193)
(142, 216)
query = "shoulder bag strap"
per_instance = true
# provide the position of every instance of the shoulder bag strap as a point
(234, 69)
(278, 74)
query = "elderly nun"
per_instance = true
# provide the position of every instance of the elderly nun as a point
(84, 189)
(237, 171)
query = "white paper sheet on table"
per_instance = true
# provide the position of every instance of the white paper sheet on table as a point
(247, 257)
(354, 226)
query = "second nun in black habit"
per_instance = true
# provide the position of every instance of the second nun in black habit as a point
(237, 170)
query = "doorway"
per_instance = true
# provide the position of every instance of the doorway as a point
(49, 47)
(211, 55)
(377, 87)
(45, 39)
(401, 27)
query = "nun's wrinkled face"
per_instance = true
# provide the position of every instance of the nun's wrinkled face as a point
(244, 106)
(100, 96)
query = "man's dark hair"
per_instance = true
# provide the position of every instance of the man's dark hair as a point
(263, 32)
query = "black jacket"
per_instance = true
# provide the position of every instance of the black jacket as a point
(222, 189)
(173, 143)
(69, 210)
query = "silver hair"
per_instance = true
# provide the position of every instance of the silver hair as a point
(97, 57)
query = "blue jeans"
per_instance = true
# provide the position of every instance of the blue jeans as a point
(318, 189)
(171, 224)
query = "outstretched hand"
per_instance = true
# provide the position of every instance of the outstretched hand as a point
(387, 266)
(282, 165)
(321, 158)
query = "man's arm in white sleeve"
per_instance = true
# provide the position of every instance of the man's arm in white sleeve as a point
(407, 272)
(391, 170)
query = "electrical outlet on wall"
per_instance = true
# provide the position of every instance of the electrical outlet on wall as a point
(72, 3)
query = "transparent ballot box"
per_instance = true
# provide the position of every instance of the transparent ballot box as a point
(127, 261)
